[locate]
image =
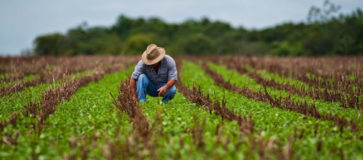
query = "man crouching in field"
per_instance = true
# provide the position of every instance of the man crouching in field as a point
(155, 74)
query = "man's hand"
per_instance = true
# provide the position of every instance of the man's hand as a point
(162, 90)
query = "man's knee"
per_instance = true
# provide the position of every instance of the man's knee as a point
(172, 90)
(170, 93)
(143, 77)
(142, 80)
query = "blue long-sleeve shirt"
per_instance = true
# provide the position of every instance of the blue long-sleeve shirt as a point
(167, 71)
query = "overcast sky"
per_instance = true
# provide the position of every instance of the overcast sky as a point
(22, 20)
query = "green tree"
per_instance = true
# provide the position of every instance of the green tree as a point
(50, 44)
(323, 34)
(195, 44)
(136, 44)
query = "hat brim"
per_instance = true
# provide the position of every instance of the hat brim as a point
(154, 61)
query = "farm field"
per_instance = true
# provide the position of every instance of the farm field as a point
(225, 108)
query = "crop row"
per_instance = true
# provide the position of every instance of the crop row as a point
(318, 97)
(16, 101)
(16, 137)
(351, 101)
(15, 68)
(56, 94)
(342, 74)
(142, 132)
(314, 137)
(286, 103)
(50, 72)
(67, 129)
(197, 97)
(245, 81)
(263, 146)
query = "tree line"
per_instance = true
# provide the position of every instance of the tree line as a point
(321, 34)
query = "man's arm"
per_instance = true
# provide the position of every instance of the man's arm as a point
(172, 75)
(133, 88)
(164, 88)
(139, 69)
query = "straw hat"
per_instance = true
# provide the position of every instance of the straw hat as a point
(153, 54)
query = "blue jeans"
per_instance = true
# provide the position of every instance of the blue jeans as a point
(145, 86)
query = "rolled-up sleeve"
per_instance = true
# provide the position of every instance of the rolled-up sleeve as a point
(173, 73)
(139, 69)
